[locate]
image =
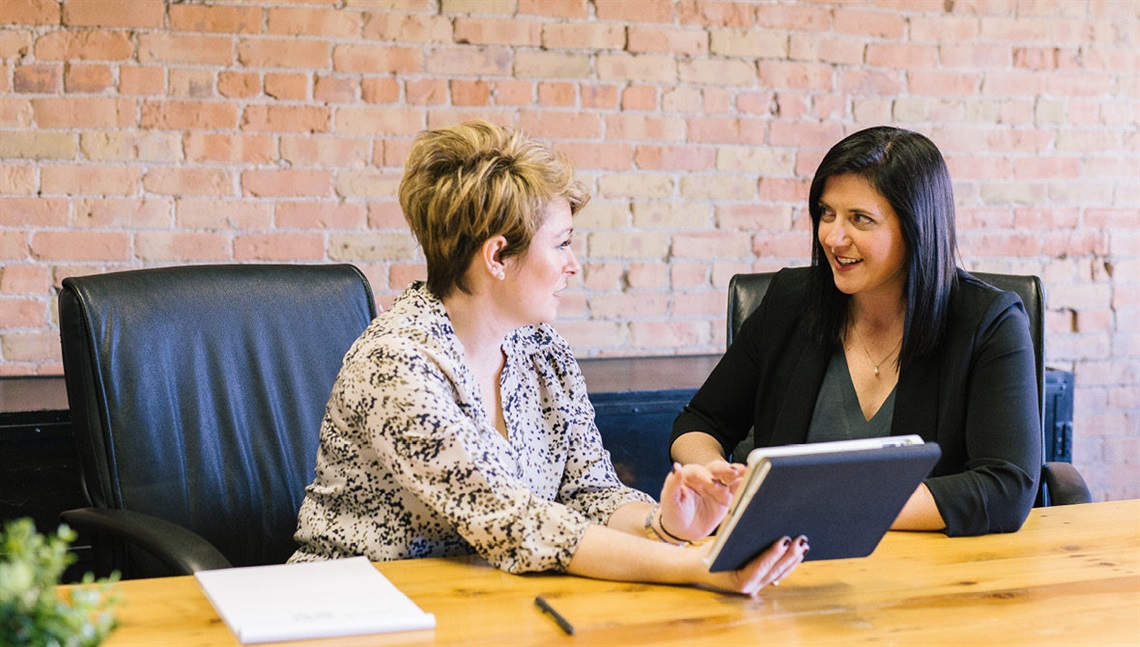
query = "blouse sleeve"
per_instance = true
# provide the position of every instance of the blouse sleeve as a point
(419, 429)
(1002, 432)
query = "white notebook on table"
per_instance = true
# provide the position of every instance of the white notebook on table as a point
(341, 597)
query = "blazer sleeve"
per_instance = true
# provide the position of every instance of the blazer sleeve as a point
(996, 487)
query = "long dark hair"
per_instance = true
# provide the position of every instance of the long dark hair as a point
(907, 169)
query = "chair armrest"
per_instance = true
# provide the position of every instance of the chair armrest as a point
(184, 551)
(1065, 484)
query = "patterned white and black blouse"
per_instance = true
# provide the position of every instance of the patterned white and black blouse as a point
(410, 466)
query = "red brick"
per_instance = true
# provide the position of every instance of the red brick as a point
(371, 183)
(335, 89)
(557, 95)
(653, 128)
(68, 179)
(84, 113)
(782, 75)
(337, 152)
(320, 215)
(38, 145)
(378, 121)
(25, 279)
(511, 93)
(582, 334)
(30, 12)
(215, 19)
(599, 97)
(76, 245)
(239, 214)
(386, 214)
(286, 182)
(122, 13)
(14, 245)
(286, 86)
(645, 304)
(720, 72)
(183, 247)
(43, 348)
(191, 83)
(639, 97)
(285, 53)
(304, 21)
(86, 45)
(189, 181)
(32, 213)
(377, 59)
(239, 85)
(794, 17)
(560, 125)
(659, 11)
(37, 79)
(186, 115)
(775, 189)
(668, 334)
(675, 158)
(87, 78)
(662, 40)
(842, 50)
(872, 23)
(726, 130)
(590, 36)
(23, 313)
(294, 119)
(608, 156)
(279, 247)
(224, 147)
(182, 49)
(16, 113)
(117, 213)
(466, 61)
(489, 31)
(16, 179)
(555, 8)
(426, 92)
(646, 68)
(552, 65)
(141, 80)
(414, 28)
(716, 14)
(380, 90)
(470, 93)
(946, 29)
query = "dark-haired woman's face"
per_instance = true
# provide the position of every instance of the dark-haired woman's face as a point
(862, 237)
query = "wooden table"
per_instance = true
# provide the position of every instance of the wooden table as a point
(1071, 576)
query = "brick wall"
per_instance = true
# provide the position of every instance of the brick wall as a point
(138, 133)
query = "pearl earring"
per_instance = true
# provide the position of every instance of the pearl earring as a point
(500, 274)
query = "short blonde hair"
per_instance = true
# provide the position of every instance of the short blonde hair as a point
(465, 184)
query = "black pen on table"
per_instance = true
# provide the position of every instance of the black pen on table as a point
(562, 622)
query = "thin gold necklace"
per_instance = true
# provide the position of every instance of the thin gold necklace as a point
(868, 353)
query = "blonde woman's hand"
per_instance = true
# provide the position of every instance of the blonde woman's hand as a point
(695, 498)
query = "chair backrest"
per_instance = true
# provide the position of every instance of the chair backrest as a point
(197, 393)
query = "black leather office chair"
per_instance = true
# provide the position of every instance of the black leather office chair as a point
(196, 396)
(1061, 483)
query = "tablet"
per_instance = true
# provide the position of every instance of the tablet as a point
(842, 495)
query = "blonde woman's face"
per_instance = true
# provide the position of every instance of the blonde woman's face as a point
(538, 276)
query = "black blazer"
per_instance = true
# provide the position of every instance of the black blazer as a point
(976, 397)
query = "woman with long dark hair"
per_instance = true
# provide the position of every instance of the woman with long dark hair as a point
(884, 335)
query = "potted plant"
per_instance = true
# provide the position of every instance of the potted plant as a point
(32, 611)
